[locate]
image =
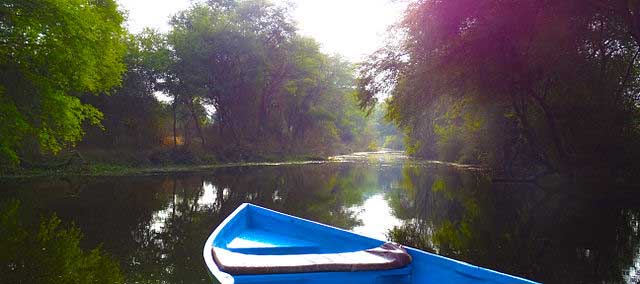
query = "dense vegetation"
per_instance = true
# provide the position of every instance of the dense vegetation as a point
(47, 62)
(272, 90)
(243, 86)
(48, 252)
(527, 87)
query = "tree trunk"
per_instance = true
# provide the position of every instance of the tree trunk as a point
(175, 138)
(197, 123)
(185, 137)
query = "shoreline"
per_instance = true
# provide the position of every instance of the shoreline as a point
(116, 170)
(111, 170)
(102, 170)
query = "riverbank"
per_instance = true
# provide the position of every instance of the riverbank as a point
(98, 169)
(124, 170)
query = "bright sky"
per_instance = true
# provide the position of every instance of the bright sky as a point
(352, 28)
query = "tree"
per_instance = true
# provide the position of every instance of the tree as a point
(273, 91)
(544, 85)
(133, 117)
(48, 61)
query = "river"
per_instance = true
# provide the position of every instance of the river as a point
(155, 226)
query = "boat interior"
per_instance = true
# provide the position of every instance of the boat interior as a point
(257, 231)
(263, 241)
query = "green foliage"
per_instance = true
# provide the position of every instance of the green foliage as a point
(393, 142)
(12, 122)
(273, 91)
(133, 117)
(409, 234)
(48, 60)
(49, 253)
(388, 135)
(533, 88)
(244, 84)
(459, 132)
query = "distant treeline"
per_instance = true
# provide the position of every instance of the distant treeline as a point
(241, 83)
(528, 87)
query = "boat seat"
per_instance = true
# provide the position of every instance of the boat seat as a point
(387, 256)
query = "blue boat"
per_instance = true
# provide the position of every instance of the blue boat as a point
(259, 245)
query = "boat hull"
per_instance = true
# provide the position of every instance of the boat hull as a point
(260, 222)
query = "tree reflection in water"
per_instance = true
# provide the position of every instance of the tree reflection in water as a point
(547, 234)
(48, 251)
(155, 226)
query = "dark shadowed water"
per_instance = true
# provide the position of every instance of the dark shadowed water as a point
(155, 226)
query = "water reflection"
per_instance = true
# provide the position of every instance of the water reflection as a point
(48, 252)
(156, 226)
(544, 234)
(376, 216)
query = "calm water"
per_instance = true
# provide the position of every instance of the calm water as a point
(155, 226)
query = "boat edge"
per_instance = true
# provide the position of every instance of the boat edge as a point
(212, 267)
(225, 278)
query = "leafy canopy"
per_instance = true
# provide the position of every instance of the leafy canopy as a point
(51, 53)
(547, 84)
